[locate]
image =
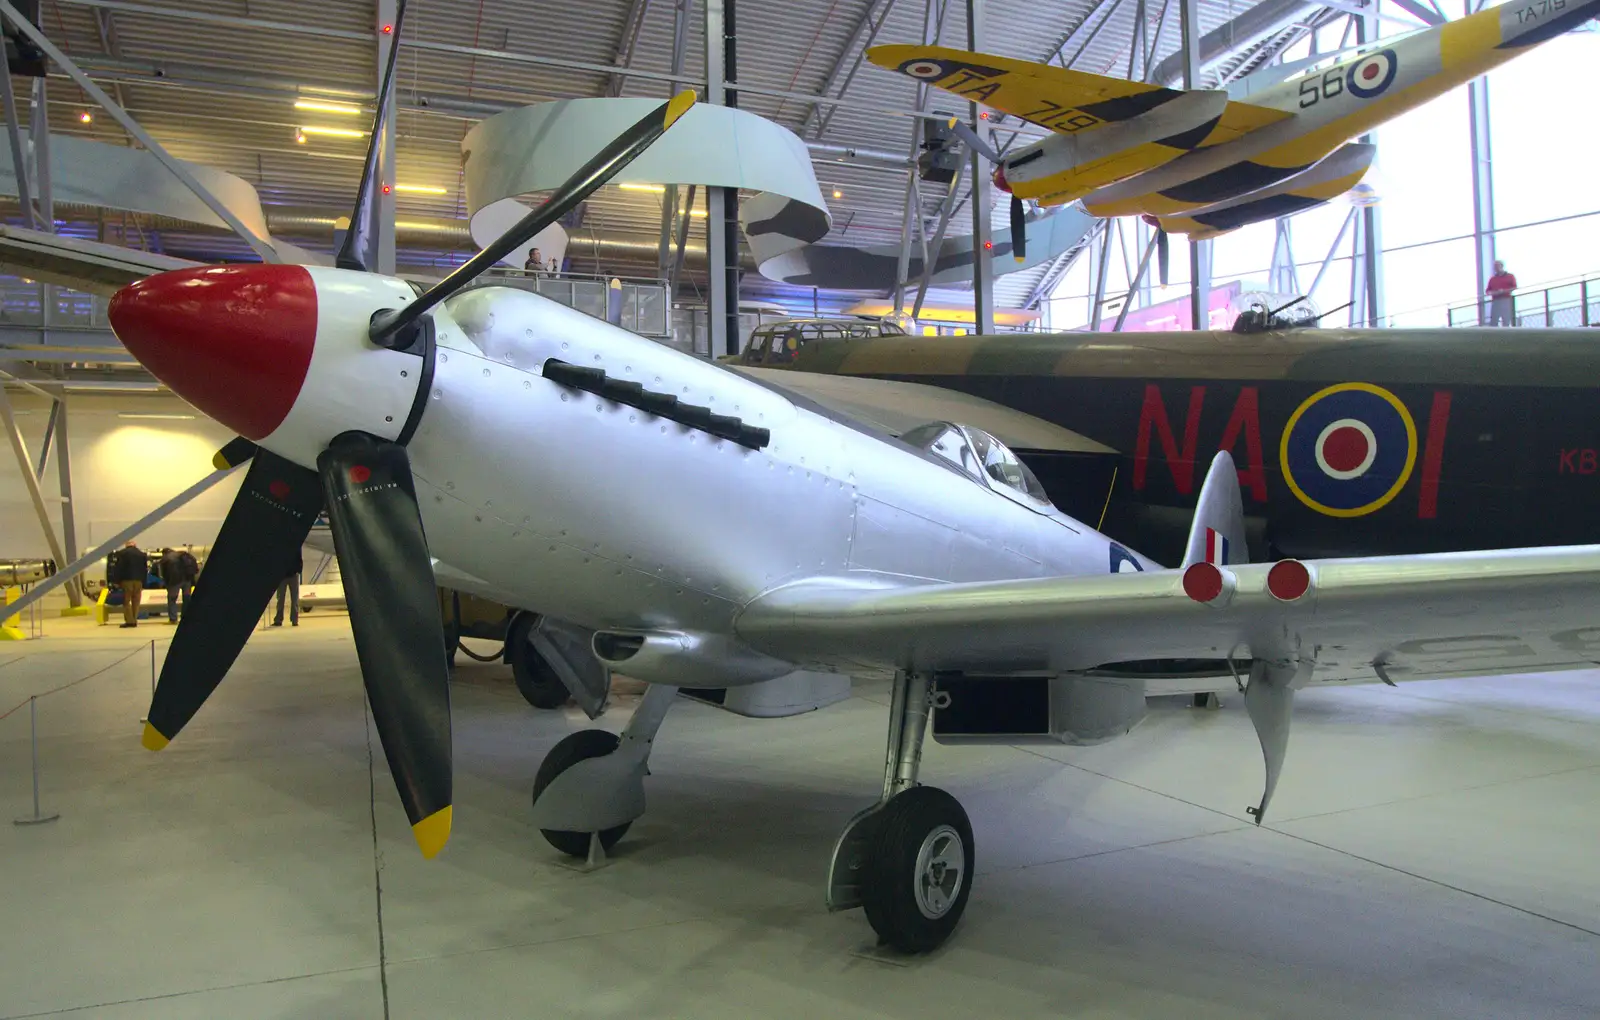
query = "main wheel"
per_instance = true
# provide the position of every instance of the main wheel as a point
(536, 681)
(571, 749)
(918, 871)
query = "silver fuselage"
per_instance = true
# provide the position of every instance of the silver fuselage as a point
(613, 519)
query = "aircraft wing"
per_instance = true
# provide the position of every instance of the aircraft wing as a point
(1058, 98)
(1401, 617)
(84, 265)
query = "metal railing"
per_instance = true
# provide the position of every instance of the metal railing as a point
(644, 305)
(1564, 304)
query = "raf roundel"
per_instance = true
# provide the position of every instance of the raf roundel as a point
(925, 69)
(1348, 449)
(1372, 75)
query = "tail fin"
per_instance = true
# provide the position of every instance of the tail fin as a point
(1217, 534)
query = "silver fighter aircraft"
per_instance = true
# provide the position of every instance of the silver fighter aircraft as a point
(692, 526)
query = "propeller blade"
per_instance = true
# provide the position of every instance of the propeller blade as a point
(355, 252)
(964, 131)
(1163, 256)
(391, 324)
(1019, 230)
(264, 529)
(394, 612)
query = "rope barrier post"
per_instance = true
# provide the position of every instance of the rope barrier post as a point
(33, 737)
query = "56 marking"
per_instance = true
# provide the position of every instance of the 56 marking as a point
(1330, 85)
(1533, 12)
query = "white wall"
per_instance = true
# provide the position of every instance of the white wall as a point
(122, 468)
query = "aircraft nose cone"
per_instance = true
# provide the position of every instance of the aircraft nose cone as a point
(234, 341)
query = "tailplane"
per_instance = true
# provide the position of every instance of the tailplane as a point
(1217, 534)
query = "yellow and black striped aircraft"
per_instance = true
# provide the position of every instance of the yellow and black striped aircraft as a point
(1205, 162)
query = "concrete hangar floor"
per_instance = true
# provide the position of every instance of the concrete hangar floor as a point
(1434, 853)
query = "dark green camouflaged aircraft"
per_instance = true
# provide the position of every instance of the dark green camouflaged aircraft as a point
(1349, 442)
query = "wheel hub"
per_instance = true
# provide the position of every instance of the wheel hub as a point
(941, 868)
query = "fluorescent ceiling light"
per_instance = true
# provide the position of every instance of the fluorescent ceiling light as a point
(419, 189)
(654, 189)
(326, 107)
(332, 132)
(155, 417)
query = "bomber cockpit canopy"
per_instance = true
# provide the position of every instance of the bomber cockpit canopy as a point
(981, 457)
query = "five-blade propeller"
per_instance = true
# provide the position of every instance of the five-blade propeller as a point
(365, 485)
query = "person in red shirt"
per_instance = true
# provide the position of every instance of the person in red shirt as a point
(1501, 284)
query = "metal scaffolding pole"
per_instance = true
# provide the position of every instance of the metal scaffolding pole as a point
(69, 512)
(717, 254)
(1199, 251)
(39, 135)
(19, 159)
(383, 208)
(25, 468)
(1101, 264)
(1482, 190)
(982, 262)
(1369, 225)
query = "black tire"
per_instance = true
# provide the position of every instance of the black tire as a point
(536, 681)
(570, 750)
(891, 887)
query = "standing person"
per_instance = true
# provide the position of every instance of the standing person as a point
(178, 570)
(290, 586)
(1501, 284)
(535, 263)
(131, 566)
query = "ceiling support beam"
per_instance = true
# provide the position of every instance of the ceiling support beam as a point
(257, 244)
(849, 62)
(625, 45)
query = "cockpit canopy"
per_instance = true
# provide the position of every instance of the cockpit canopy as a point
(981, 457)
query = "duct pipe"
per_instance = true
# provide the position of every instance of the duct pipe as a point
(1259, 22)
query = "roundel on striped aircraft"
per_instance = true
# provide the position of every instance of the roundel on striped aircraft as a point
(1348, 449)
(1372, 74)
(924, 68)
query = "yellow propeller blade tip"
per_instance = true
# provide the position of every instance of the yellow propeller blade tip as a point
(433, 832)
(153, 739)
(679, 106)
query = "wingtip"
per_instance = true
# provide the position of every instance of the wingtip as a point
(433, 832)
(153, 738)
(678, 106)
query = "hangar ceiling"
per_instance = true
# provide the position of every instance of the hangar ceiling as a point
(216, 81)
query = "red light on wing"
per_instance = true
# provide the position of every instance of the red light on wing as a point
(1288, 580)
(1202, 581)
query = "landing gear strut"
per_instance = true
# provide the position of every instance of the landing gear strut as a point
(908, 859)
(537, 681)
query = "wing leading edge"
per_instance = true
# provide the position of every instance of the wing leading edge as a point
(1386, 618)
(1057, 98)
(1448, 614)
